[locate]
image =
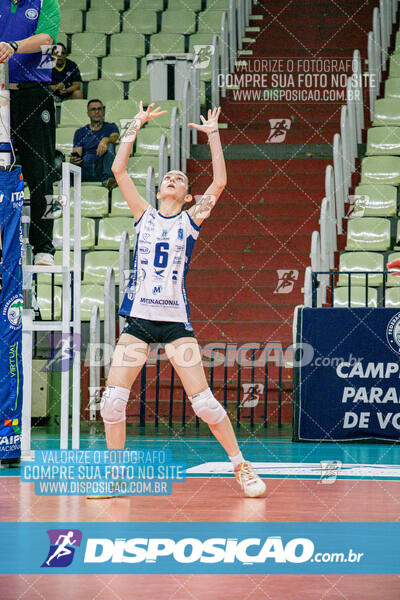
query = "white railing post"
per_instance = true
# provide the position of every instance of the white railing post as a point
(215, 80)
(325, 239)
(330, 193)
(162, 157)
(315, 256)
(94, 362)
(376, 28)
(344, 133)
(240, 22)
(233, 35)
(151, 187)
(339, 182)
(109, 318)
(359, 95)
(351, 114)
(224, 52)
(186, 116)
(372, 74)
(195, 82)
(175, 139)
(307, 289)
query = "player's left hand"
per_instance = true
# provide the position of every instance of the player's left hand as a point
(6, 52)
(211, 124)
(395, 264)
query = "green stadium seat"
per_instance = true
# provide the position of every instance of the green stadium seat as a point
(94, 201)
(383, 140)
(64, 139)
(138, 165)
(392, 88)
(68, 4)
(73, 113)
(164, 43)
(88, 66)
(91, 295)
(357, 297)
(392, 281)
(394, 69)
(164, 121)
(44, 299)
(89, 44)
(380, 201)
(351, 262)
(122, 109)
(140, 90)
(368, 233)
(148, 141)
(96, 264)
(381, 170)
(178, 21)
(127, 44)
(210, 21)
(102, 21)
(106, 90)
(148, 4)
(392, 297)
(71, 20)
(111, 229)
(108, 4)
(119, 206)
(194, 5)
(386, 112)
(87, 233)
(119, 68)
(139, 21)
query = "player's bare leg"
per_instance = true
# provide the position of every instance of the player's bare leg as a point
(185, 357)
(129, 357)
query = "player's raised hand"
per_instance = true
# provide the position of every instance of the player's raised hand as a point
(394, 266)
(211, 124)
(147, 115)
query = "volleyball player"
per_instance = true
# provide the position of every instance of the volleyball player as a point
(155, 303)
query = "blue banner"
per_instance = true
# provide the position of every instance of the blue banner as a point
(11, 303)
(349, 374)
(199, 548)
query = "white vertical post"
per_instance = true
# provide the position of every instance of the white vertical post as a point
(344, 132)
(315, 256)
(351, 115)
(66, 302)
(307, 289)
(215, 62)
(372, 75)
(339, 182)
(76, 341)
(224, 52)
(376, 28)
(330, 193)
(358, 89)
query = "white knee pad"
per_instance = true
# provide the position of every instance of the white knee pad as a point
(113, 404)
(207, 408)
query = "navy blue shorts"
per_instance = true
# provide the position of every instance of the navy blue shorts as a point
(156, 331)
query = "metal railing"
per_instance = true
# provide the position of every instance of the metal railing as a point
(256, 409)
(313, 284)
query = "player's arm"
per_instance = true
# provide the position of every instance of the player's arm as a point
(136, 203)
(201, 210)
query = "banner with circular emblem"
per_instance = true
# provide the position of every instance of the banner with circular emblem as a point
(11, 304)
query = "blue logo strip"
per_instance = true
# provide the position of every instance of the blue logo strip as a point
(201, 548)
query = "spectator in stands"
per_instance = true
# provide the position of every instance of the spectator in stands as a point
(66, 78)
(94, 147)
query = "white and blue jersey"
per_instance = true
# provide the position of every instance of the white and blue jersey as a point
(164, 246)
